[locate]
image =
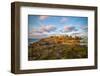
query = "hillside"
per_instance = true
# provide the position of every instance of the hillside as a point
(57, 47)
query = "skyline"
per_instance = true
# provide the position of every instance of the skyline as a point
(41, 26)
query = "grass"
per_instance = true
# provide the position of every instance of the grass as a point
(57, 51)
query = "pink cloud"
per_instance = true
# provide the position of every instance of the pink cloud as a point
(69, 28)
(43, 17)
(47, 28)
(41, 32)
(44, 28)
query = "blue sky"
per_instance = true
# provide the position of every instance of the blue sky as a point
(40, 26)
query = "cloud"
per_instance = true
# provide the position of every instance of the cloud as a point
(36, 35)
(85, 28)
(43, 17)
(69, 28)
(80, 33)
(63, 20)
(44, 28)
(42, 31)
(47, 28)
(76, 34)
(36, 31)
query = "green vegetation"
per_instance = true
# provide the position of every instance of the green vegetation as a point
(62, 48)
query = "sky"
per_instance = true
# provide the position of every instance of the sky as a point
(41, 26)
